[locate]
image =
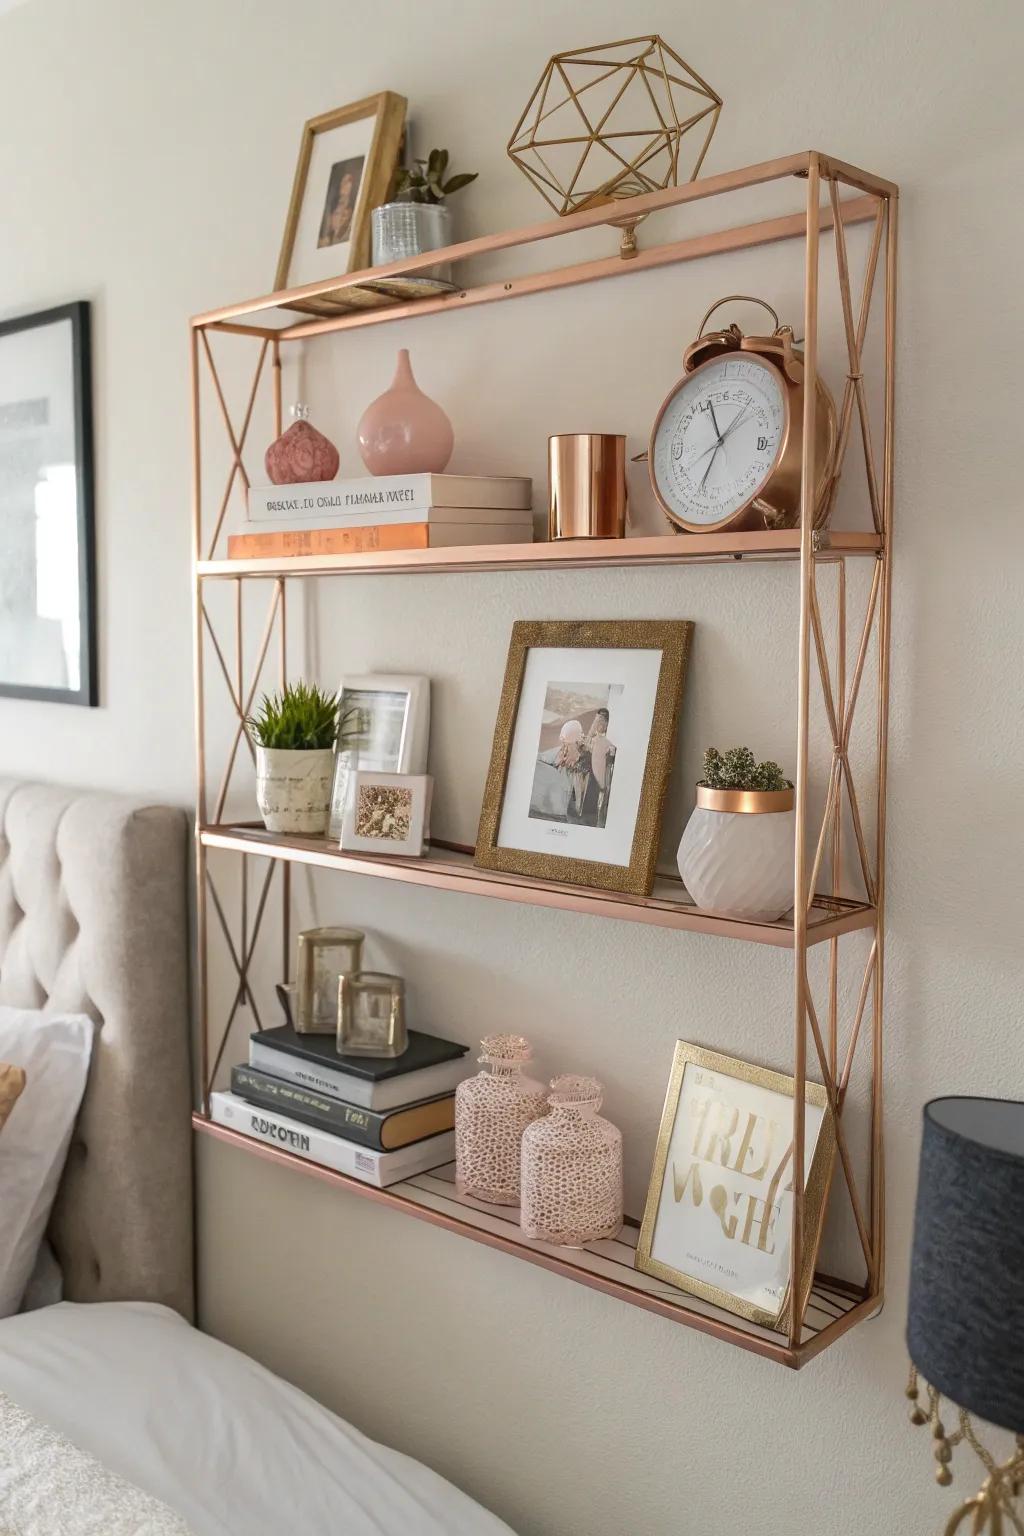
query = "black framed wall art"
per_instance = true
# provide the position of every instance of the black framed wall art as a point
(47, 510)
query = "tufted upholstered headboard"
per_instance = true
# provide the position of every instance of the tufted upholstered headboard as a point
(94, 919)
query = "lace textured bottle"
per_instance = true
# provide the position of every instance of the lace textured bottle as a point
(492, 1110)
(572, 1168)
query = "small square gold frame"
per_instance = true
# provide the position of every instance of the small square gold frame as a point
(672, 638)
(815, 1194)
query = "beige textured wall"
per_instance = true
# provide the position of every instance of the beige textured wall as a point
(145, 159)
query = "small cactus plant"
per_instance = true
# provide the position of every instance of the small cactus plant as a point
(738, 769)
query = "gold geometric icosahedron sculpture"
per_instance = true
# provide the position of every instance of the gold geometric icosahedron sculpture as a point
(608, 122)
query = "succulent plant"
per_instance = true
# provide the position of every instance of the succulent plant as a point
(738, 769)
(300, 718)
(425, 183)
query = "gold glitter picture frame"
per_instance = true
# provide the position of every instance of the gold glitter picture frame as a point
(582, 751)
(719, 1211)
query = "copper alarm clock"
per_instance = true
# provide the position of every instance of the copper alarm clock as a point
(727, 445)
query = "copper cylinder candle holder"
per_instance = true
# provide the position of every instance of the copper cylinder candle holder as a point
(587, 485)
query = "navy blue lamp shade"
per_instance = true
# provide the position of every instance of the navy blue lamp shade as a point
(965, 1331)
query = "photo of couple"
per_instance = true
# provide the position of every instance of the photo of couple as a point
(576, 754)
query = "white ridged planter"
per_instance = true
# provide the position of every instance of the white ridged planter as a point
(293, 789)
(736, 853)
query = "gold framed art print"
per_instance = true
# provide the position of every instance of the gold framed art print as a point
(718, 1218)
(347, 162)
(582, 751)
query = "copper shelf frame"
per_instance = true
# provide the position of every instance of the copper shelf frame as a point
(874, 200)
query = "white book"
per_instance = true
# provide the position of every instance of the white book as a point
(385, 1093)
(377, 1168)
(368, 498)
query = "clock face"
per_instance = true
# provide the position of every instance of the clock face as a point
(718, 439)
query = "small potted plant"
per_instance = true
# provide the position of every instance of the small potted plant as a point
(736, 852)
(293, 734)
(419, 219)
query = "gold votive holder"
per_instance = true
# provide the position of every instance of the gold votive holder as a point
(587, 485)
(371, 1014)
(325, 954)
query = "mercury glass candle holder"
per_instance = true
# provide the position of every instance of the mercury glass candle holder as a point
(371, 1014)
(572, 1168)
(492, 1110)
(325, 954)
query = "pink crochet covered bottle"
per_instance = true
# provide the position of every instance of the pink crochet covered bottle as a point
(492, 1110)
(572, 1168)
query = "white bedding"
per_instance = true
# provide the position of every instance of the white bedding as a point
(224, 1443)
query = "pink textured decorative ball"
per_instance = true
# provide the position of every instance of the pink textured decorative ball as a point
(300, 454)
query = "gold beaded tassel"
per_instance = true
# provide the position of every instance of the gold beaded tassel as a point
(917, 1415)
(944, 1445)
(992, 1509)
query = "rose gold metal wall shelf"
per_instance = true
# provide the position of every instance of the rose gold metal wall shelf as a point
(829, 1037)
(566, 555)
(450, 867)
(833, 1308)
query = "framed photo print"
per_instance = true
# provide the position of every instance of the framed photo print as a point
(718, 1219)
(47, 515)
(582, 751)
(387, 813)
(383, 724)
(347, 161)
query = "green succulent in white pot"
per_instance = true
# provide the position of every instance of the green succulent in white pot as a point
(293, 734)
(736, 853)
(418, 218)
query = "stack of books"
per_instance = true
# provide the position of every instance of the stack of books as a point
(339, 517)
(376, 1119)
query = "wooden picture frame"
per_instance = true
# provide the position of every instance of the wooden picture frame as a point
(737, 1220)
(46, 428)
(377, 151)
(637, 667)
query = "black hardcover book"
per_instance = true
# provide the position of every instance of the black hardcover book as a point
(383, 1131)
(423, 1051)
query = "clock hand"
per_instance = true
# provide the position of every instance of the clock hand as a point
(714, 420)
(734, 423)
(710, 462)
(697, 457)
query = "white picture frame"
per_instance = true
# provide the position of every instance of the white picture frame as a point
(387, 813)
(392, 737)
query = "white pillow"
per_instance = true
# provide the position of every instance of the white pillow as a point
(54, 1050)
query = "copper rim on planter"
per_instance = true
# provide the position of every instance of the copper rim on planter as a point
(587, 485)
(755, 802)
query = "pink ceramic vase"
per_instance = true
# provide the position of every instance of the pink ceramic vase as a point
(403, 431)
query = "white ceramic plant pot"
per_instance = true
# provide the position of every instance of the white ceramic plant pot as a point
(293, 789)
(736, 853)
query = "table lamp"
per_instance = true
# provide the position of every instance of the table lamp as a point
(965, 1330)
